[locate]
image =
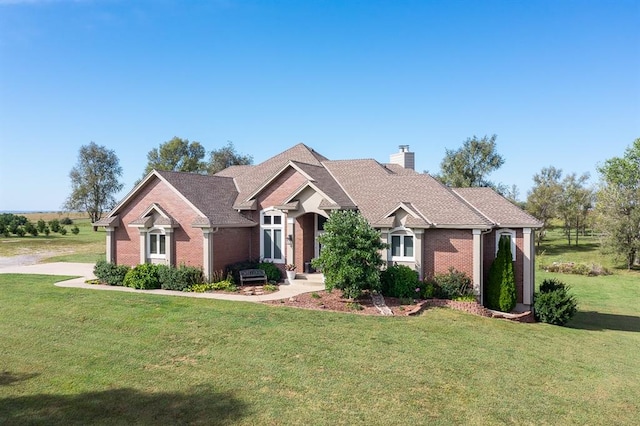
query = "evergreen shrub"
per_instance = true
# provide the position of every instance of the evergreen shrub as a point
(501, 286)
(273, 272)
(553, 304)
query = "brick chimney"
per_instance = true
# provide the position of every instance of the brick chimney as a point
(405, 158)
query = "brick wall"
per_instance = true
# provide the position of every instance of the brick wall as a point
(280, 189)
(187, 240)
(231, 245)
(444, 248)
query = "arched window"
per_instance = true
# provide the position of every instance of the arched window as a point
(272, 236)
(402, 244)
(156, 244)
(511, 235)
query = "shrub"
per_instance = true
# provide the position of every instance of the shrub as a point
(221, 285)
(400, 281)
(41, 225)
(110, 273)
(75, 230)
(63, 230)
(554, 304)
(452, 284)
(179, 278)
(143, 276)
(224, 285)
(270, 287)
(273, 272)
(350, 258)
(54, 224)
(66, 221)
(592, 270)
(20, 232)
(428, 290)
(47, 231)
(200, 288)
(235, 268)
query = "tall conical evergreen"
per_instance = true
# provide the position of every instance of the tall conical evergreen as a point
(508, 296)
(492, 296)
(501, 287)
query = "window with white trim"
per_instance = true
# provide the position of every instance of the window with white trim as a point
(402, 246)
(272, 236)
(156, 244)
(511, 235)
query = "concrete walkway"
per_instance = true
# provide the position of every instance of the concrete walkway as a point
(85, 271)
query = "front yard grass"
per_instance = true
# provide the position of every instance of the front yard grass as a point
(72, 356)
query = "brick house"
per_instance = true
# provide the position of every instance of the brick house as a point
(275, 211)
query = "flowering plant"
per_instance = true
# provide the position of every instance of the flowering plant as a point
(290, 267)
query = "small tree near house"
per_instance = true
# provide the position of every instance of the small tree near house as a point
(501, 285)
(350, 258)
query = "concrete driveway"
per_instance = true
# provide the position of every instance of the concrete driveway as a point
(85, 272)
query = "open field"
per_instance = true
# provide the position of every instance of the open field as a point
(72, 356)
(88, 246)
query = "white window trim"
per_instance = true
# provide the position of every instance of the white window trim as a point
(273, 212)
(156, 231)
(401, 232)
(512, 234)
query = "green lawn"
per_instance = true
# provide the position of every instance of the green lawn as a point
(71, 356)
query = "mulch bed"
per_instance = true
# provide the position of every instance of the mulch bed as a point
(333, 301)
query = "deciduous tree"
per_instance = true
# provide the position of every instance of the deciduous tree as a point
(350, 257)
(618, 203)
(543, 199)
(226, 156)
(94, 181)
(470, 165)
(178, 155)
(575, 202)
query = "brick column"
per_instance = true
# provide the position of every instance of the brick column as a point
(528, 279)
(477, 264)
(207, 252)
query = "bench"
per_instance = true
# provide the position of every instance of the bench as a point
(252, 275)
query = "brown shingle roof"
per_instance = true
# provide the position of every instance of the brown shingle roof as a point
(496, 208)
(323, 180)
(376, 190)
(212, 195)
(251, 179)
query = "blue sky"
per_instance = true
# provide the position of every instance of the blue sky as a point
(557, 81)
